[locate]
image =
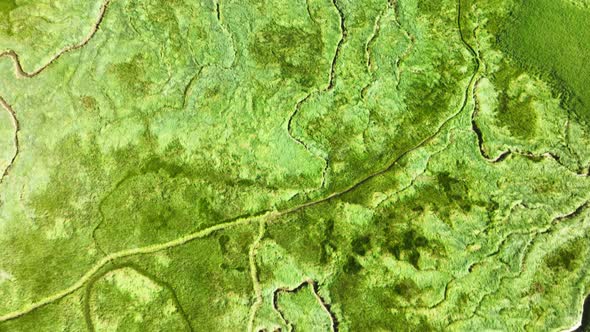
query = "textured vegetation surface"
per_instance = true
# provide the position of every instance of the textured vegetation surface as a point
(306, 165)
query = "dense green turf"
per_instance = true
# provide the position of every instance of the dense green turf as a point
(552, 37)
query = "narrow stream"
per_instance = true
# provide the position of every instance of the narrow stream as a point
(585, 325)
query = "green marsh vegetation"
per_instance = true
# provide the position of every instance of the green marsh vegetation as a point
(550, 37)
(301, 165)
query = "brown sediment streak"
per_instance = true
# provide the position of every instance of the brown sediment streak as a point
(536, 234)
(556, 220)
(314, 288)
(391, 5)
(368, 44)
(18, 68)
(527, 249)
(503, 155)
(16, 125)
(395, 5)
(328, 88)
(506, 153)
(343, 35)
(21, 73)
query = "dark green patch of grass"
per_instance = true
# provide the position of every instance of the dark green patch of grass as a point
(296, 52)
(374, 308)
(566, 258)
(6, 6)
(209, 283)
(429, 7)
(552, 37)
(515, 112)
(320, 238)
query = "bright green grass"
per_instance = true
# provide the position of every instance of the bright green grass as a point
(553, 36)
